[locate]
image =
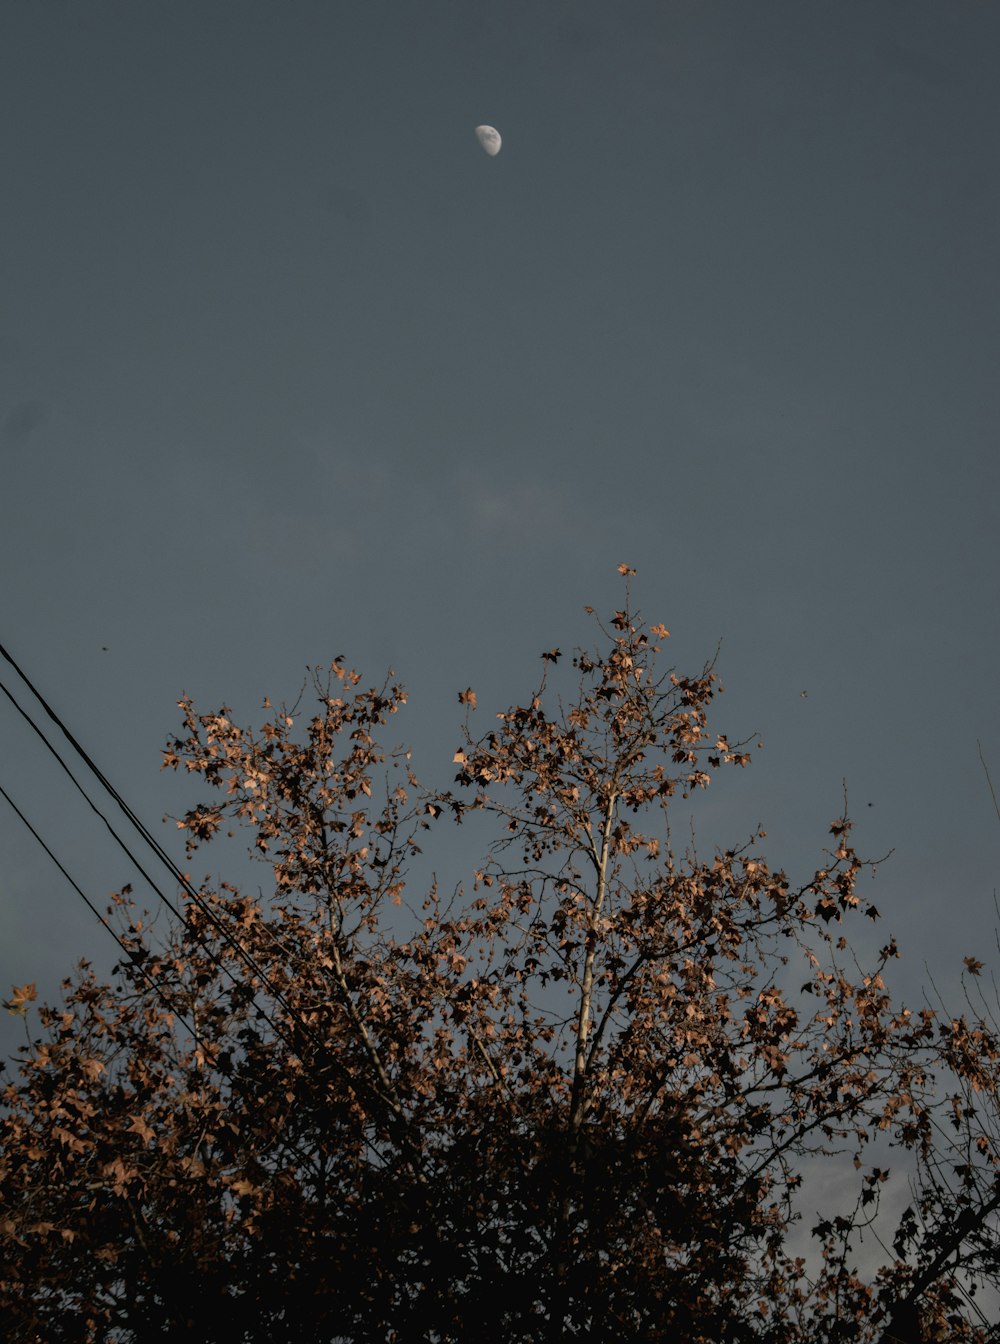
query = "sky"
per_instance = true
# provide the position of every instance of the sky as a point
(290, 368)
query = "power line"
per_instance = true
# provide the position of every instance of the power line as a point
(158, 989)
(298, 1024)
(135, 963)
(248, 960)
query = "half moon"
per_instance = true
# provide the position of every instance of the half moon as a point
(489, 138)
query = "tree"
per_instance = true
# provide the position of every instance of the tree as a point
(579, 1099)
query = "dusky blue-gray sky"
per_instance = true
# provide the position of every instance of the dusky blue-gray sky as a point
(289, 368)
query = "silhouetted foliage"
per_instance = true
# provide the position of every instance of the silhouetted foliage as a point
(577, 1099)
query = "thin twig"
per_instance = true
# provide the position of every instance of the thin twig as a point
(996, 805)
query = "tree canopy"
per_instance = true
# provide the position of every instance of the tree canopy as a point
(584, 1095)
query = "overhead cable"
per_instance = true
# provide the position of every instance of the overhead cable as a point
(171, 906)
(248, 960)
(159, 990)
(295, 1020)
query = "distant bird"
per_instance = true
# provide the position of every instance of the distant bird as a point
(803, 694)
